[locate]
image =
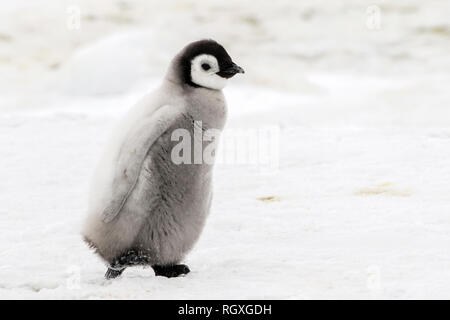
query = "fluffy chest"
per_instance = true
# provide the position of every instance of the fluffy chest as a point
(207, 106)
(177, 169)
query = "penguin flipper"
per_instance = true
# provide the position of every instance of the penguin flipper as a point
(132, 155)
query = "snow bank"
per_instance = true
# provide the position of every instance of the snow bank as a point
(110, 66)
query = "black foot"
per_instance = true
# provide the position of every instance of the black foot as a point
(129, 259)
(171, 271)
(111, 273)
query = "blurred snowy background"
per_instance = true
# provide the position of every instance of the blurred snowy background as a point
(359, 207)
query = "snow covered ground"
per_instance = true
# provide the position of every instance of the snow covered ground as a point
(358, 206)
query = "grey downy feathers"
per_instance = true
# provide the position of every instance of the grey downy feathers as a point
(144, 209)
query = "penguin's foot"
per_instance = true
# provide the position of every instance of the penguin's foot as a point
(171, 271)
(113, 273)
(129, 259)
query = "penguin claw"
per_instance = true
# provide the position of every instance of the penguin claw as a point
(113, 273)
(171, 271)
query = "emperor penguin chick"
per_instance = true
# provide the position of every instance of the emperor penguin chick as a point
(145, 208)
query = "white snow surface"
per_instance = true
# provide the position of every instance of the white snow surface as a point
(358, 207)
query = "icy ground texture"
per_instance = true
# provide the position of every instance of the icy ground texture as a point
(359, 206)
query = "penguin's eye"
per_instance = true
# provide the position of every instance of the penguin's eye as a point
(206, 66)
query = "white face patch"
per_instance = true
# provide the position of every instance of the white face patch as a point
(203, 72)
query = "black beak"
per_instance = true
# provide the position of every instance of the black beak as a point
(230, 71)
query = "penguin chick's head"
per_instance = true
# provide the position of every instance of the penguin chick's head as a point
(206, 64)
